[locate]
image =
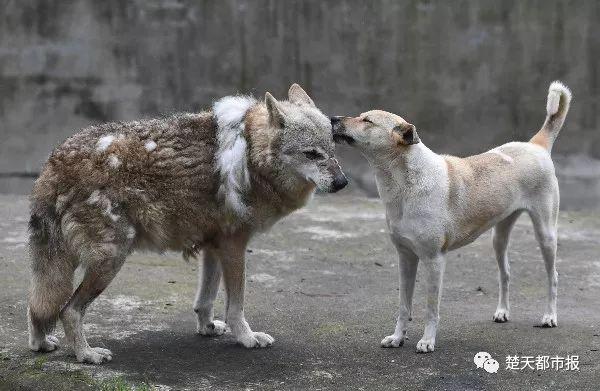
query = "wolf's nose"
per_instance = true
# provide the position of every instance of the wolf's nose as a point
(339, 183)
(336, 120)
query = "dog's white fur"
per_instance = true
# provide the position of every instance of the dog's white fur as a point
(231, 156)
(437, 203)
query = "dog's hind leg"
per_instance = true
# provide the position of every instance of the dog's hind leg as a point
(544, 223)
(407, 266)
(500, 239)
(208, 286)
(51, 287)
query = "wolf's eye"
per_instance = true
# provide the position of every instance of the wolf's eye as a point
(367, 120)
(313, 155)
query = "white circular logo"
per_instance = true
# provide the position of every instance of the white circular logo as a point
(491, 366)
(480, 358)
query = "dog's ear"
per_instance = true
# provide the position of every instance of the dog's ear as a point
(299, 97)
(276, 117)
(406, 134)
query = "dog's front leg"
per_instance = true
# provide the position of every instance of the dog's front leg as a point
(208, 287)
(435, 271)
(407, 267)
(232, 257)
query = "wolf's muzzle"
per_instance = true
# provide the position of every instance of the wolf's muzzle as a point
(339, 179)
(339, 183)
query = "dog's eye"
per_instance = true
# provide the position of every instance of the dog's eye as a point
(367, 120)
(313, 155)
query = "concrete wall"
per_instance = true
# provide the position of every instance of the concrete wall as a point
(469, 74)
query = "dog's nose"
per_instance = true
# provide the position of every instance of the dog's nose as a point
(339, 183)
(336, 122)
(336, 125)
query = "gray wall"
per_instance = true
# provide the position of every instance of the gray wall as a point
(469, 74)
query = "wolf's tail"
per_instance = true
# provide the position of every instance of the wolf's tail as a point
(557, 106)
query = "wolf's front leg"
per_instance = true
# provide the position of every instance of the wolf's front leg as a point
(208, 287)
(435, 273)
(232, 256)
(407, 266)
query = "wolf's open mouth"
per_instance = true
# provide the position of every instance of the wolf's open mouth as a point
(338, 138)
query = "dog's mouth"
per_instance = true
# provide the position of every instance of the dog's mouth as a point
(339, 138)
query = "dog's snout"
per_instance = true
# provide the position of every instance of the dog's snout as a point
(336, 123)
(339, 183)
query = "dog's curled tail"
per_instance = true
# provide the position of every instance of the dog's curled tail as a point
(557, 106)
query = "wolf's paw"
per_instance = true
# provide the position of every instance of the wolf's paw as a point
(549, 320)
(425, 346)
(256, 340)
(501, 315)
(94, 355)
(48, 344)
(392, 341)
(212, 329)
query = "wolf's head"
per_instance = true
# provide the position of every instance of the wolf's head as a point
(375, 132)
(304, 143)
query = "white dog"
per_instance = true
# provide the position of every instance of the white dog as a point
(436, 203)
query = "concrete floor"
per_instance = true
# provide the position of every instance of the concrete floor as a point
(323, 282)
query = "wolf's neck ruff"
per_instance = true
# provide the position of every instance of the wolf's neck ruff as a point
(231, 155)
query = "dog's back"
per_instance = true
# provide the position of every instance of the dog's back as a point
(485, 189)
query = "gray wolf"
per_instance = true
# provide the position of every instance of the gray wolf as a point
(436, 203)
(195, 182)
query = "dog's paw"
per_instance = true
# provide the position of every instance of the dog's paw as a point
(94, 355)
(501, 316)
(392, 341)
(212, 329)
(48, 344)
(549, 320)
(256, 340)
(425, 346)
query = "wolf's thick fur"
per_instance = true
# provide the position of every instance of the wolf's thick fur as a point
(190, 182)
(437, 203)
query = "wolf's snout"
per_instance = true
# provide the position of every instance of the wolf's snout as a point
(339, 183)
(339, 178)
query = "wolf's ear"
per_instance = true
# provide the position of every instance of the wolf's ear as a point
(276, 117)
(299, 97)
(406, 134)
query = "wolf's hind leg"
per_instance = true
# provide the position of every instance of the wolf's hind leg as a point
(208, 287)
(96, 278)
(500, 239)
(51, 287)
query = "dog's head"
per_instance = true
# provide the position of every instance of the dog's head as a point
(375, 131)
(304, 142)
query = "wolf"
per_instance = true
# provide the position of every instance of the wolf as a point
(436, 203)
(194, 182)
